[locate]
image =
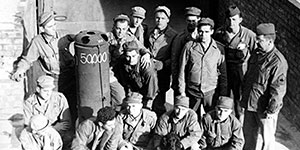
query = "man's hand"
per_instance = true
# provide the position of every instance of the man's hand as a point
(127, 146)
(270, 116)
(145, 61)
(17, 75)
(61, 126)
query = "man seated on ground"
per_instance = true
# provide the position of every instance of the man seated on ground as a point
(103, 132)
(182, 121)
(138, 123)
(40, 135)
(133, 77)
(222, 130)
(51, 104)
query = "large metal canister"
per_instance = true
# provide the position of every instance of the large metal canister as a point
(92, 73)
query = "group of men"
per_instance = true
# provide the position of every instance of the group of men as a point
(238, 76)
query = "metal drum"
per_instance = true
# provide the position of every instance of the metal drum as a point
(92, 73)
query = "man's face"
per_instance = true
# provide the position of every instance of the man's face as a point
(223, 113)
(234, 21)
(45, 93)
(136, 21)
(262, 43)
(109, 125)
(134, 109)
(50, 28)
(192, 22)
(180, 111)
(120, 29)
(161, 20)
(132, 57)
(205, 33)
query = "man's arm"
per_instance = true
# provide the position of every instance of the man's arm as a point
(277, 86)
(83, 134)
(237, 140)
(222, 80)
(183, 59)
(116, 137)
(65, 121)
(160, 130)
(30, 54)
(194, 131)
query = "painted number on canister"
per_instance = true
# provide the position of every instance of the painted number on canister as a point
(93, 58)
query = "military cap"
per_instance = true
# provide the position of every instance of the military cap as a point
(181, 101)
(265, 29)
(164, 9)
(232, 11)
(38, 122)
(192, 11)
(129, 46)
(207, 21)
(138, 11)
(133, 97)
(121, 17)
(225, 102)
(45, 81)
(45, 18)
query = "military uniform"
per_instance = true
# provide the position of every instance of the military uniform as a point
(180, 40)
(200, 73)
(140, 135)
(188, 128)
(161, 49)
(56, 109)
(263, 90)
(39, 135)
(237, 52)
(218, 135)
(138, 79)
(90, 136)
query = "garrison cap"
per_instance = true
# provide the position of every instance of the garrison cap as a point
(181, 101)
(138, 11)
(232, 10)
(38, 122)
(192, 11)
(225, 102)
(164, 9)
(46, 17)
(206, 21)
(265, 29)
(121, 17)
(129, 46)
(45, 81)
(133, 97)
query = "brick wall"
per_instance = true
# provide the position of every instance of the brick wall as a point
(286, 17)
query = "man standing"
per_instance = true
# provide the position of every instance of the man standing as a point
(116, 38)
(159, 42)
(51, 50)
(137, 28)
(138, 123)
(51, 104)
(133, 77)
(192, 17)
(103, 132)
(203, 69)
(263, 90)
(39, 135)
(182, 121)
(239, 44)
(221, 129)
